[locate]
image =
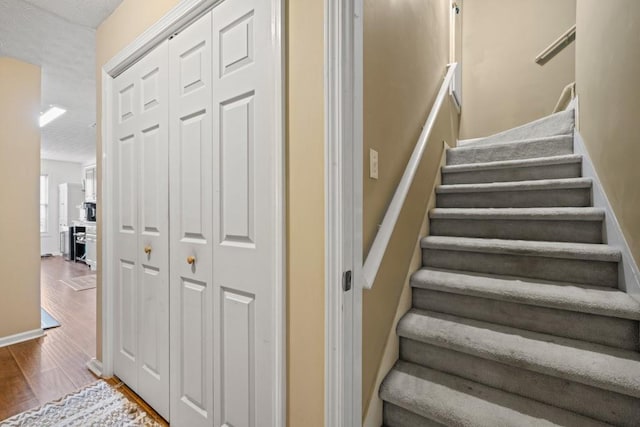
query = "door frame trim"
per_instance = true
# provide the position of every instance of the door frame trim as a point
(343, 211)
(176, 19)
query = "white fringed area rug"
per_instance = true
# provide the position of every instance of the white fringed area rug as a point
(95, 405)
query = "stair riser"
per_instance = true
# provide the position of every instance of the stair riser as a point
(541, 230)
(521, 150)
(597, 273)
(561, 123)
(559, 171)
(566, 197)
(600, 404)
(395, 416)
(604, 330)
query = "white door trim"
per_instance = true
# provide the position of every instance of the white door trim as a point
(177, 18)
(343, 212)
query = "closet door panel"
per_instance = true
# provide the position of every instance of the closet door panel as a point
(237, 357)
(153, 217)
(193, 332)
(125, 185)
(193, 169)
(127, 158)
(128, 343)
(244, 210)
(237, 218)
(191, 225)
(150, 316)
(154, 185)
(140, 182)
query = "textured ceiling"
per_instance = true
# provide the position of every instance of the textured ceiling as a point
(89, 13)
(65, 49)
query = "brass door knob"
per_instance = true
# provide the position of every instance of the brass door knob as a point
(191, 260)
(147, 250)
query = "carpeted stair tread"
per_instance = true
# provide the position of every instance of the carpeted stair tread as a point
(537, 168)
(591, 364)
(535, 185)
(581, 251)
(560, 224)
(452, 400)
(506, 164)
(564, 296)
(395, 416)
(476, 145)
(559, 214)
(606, 406)
(511, 150)
(561, 123)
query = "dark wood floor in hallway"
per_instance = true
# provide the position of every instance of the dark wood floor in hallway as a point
(35, 372)
(38, 371)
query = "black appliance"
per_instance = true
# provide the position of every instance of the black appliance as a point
(90, 211)
(71, 250)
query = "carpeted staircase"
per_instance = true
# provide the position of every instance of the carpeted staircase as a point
(517, 319)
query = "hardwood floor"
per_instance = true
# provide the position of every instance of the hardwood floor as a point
(122, 388)
(38, 371)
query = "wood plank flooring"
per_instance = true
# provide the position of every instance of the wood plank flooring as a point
(38, 371)
(129, 394)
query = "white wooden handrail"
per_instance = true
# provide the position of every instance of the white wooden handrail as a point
(568, 93)
(379, 247)
(553, 47)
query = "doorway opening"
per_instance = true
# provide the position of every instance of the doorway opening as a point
(57, 40)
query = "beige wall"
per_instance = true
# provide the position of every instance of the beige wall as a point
(19, 197)
(305, 212)
(406, 48)
(305, 187)
(502, 86)
(607, 72)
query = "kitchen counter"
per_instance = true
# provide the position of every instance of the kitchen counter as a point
(84, 223)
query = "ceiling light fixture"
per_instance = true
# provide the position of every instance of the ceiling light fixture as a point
(50, 115)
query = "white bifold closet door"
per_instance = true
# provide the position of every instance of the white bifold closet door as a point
(191, 225)
(195, 294)
(140, 183)
(245, 221)
(223, 182)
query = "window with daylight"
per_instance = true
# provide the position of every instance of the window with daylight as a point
(44, 203)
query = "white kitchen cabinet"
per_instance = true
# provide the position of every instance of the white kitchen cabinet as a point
(91, 254)
(90, 184)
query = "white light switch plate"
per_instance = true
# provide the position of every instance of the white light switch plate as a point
(373, 164)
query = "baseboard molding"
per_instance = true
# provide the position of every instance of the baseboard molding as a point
(95, 366)
(21, 337)
(628, 273)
